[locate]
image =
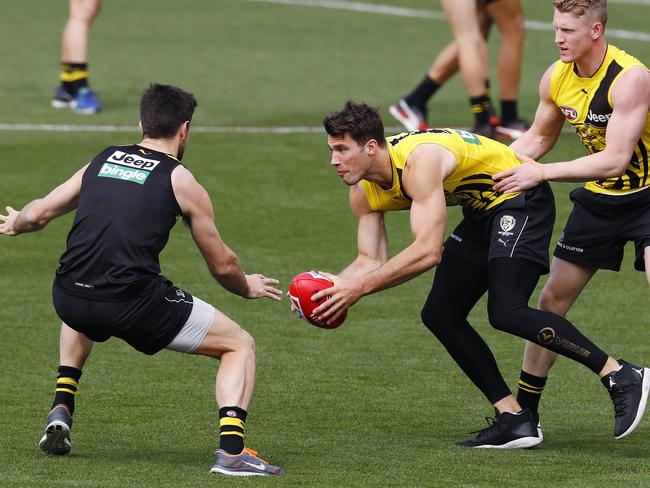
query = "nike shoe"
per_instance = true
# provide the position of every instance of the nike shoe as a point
(62, 98)
(628, 387)
(246, 463)
(512, 130)
(86, 102)
(56, 439)
(412, 118)
(538, 424)
(507, 431)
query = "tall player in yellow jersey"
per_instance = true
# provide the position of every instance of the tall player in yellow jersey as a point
(500, 246)
(604, 94)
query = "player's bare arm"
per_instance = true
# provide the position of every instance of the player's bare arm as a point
(630, 100)
(422, 179)
(372, 239)
(38, 213)
(222, 262)
(538, 140)
(547, 125)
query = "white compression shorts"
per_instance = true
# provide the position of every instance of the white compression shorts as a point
(195, 329)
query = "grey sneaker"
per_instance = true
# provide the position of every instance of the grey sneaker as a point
(628, 387)
(56, 439)
(246, 463)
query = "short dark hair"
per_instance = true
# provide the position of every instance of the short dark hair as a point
(360, 120)
(163, 109)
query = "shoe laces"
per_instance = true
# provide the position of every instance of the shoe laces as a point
(493, 424)
(253, 452)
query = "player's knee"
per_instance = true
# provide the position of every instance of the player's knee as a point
(434, 318)
(243, 343)
(85, 10)
(549, 300)
(503, 314)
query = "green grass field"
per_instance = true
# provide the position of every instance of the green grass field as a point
(377, 402)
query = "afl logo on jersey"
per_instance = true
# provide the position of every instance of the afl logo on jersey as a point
(569, 112)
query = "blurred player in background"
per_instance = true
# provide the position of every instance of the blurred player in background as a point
(74, 91)
(109, 284)
(604, 93)
(411, 111)
(500, 246)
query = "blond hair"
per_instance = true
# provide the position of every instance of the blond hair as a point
(596, 9)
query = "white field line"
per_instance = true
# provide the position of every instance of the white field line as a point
(432, 14)
(205, 129)
(135, 129)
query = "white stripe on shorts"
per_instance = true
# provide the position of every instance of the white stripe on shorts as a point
(195, 329)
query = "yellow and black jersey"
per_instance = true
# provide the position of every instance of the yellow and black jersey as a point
(470, 184)
(587, 105)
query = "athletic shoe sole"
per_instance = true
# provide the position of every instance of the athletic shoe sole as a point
(645, 386)
(522, 443)
(238, 472)
(84, 111)
(507, 133)
(56, 439)
(60, 104)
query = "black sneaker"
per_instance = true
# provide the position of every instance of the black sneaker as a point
(62, 98)
(56, 439)
(628, 387)
(507, 431)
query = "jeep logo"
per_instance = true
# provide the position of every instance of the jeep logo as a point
(569, 112)
(592, 117)
(132, 161)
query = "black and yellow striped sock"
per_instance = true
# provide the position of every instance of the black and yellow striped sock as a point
(67, 382)
(74, 76)
(232, 421)
(482, 108)
(530, 389)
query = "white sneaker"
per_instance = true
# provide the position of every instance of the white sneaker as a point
(410, 117)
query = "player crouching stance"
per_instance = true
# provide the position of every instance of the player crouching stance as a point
(500, 246)
(108, 283)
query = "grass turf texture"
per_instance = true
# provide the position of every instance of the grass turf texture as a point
(377, 402)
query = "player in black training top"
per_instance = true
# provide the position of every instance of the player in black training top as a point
(109, 284)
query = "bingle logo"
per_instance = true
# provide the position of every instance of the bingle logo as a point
(592, 117)
(569, 112)
(132, 161)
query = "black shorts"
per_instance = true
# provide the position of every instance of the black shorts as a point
(600, 225)
(518, 228)
(148, 322)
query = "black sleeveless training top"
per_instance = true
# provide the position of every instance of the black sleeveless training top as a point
(125, 212)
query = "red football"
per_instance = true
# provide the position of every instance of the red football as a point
(301, 289)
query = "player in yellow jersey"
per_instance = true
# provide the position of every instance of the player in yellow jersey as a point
(500, 246)
(604, 93)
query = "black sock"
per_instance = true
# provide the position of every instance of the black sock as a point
(232, 421)
(74, 76)
(481, 107)
(530, 389)
(67, 382)
(509, 112)
(419, 97)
